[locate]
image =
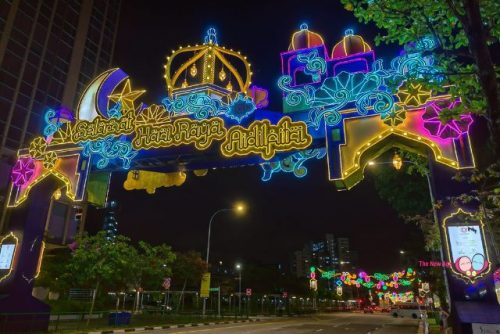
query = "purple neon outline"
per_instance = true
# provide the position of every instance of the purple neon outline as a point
(452, 124)
(22, 164)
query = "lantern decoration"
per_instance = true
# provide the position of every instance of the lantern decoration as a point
(222, 75)
(454, 128)
(193, 70)
(397, 162)
(23, 171)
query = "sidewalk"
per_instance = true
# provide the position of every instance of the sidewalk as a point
(148, 328)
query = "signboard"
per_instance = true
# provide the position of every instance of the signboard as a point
(6, 255)
(248, 292)
(8, 245)
(465, 244)
(205, 286)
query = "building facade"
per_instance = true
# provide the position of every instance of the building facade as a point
(49, 51)
(329, 253)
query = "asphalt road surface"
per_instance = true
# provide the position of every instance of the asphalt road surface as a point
(336, 323)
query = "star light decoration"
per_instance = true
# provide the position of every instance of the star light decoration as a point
(127, 96)
(23, 171)
(413, 95)
(37, 148)
(395, 116)
(454, 128)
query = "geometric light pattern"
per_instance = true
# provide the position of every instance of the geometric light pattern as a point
(413, 94)
(395, 116)
(127, 96)
(454, 128)
(23, 171)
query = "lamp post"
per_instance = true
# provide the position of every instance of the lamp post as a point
(238, 208)
(397, 163)
(238, 267)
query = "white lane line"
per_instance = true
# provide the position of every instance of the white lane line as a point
(319, 330)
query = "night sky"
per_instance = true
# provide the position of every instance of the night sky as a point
(285, 212)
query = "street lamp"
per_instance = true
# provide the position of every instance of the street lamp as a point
(401, 252)
(239, 208)
(238, 267)
(397, 163)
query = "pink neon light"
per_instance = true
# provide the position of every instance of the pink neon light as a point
(23, 171)
(453, 128)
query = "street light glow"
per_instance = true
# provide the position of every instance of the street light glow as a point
(240, 208)
(371, 163)
(401, 252)
(238, 266)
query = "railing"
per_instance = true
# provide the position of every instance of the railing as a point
(71, 322)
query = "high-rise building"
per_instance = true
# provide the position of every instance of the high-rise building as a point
(49, 52)
(328, 254)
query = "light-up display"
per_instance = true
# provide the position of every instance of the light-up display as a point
(348, 108)
(465, 243)
(6, 255)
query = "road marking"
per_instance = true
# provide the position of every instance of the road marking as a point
(224, 327)
(319, 330)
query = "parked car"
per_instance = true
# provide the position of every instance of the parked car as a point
(368, 309)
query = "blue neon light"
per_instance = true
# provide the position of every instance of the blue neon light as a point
(110, 148)
(315, 65)
(201, 106)
(240, 107)
(50, 127)
(373, 90)
(291, 164)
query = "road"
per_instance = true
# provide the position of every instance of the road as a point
(336, 323)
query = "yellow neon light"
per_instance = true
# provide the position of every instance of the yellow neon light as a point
(70, 192)
(182, 131)
(366, 46)
(101, 127)
(308, 32)
(14, 257)
(413, 95)
(266, 139)
(471, 278)
(449, 159)
(127, 96)
(414, 137)
(40, 259)
(37, 148)
(211, 53)
(150, 181)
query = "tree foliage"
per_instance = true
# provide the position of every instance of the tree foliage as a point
(188, 268)
(154, 265)
(112, 264)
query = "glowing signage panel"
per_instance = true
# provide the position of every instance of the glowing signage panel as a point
(466, 247)
(6, 256)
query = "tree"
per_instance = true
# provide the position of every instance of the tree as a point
(99, 262)
(463, 31)
(53, 268)
(155, 264)
(188, 268)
